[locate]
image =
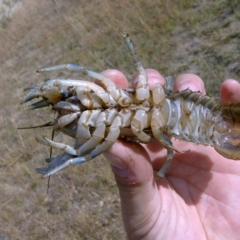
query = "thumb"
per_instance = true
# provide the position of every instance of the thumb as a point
(135, 179)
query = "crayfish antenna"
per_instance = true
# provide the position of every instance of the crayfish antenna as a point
(48, 124)
(50, 156)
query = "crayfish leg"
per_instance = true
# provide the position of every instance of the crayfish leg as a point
(161, 173)
(60, 162)
(66, 148)
(142, 89)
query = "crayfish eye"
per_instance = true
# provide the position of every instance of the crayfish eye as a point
(65, 94)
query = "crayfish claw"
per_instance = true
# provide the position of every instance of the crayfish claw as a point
(55, 164)
(38, 104)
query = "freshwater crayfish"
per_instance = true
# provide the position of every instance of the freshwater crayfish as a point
(98, 114)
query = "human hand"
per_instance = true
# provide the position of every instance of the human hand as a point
(198, 198)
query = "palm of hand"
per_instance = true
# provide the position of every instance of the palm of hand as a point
(199, 196)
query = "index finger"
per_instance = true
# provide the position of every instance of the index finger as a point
(117, 77)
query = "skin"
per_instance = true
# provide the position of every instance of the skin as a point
(200, 196)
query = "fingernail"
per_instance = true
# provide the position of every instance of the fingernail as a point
(187, 86)
(121, 173)
(118, 166)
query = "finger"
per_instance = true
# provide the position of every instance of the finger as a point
(229, 91)
(129, 161)
(135, 179)
(189, 81)
(153, 78)
(118, 77)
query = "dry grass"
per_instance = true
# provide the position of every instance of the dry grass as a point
(171, 36)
